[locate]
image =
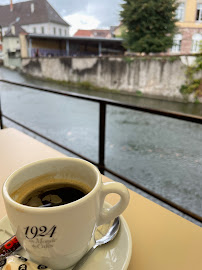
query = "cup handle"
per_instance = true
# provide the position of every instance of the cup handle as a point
(107, 215)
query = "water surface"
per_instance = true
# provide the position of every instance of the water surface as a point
(163, 154)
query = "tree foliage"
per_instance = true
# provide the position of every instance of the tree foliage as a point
(150, 24)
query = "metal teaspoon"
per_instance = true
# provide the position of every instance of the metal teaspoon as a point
(109, 236)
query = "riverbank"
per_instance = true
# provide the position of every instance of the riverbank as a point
(94, 90)
(152, 77)
(139, 100)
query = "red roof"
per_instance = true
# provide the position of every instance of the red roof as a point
(93, 33)
(83, 33)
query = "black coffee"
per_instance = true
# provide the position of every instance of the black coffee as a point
(53, 195)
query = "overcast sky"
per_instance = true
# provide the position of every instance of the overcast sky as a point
(85, 14)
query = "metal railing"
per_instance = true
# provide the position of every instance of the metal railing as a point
(102, 127)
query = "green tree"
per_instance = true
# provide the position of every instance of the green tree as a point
(150, 25)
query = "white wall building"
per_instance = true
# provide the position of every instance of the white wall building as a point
(29, 17)
(34, 16)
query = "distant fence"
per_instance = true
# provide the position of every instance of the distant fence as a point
(103, 103)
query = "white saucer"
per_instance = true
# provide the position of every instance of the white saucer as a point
(114, 255)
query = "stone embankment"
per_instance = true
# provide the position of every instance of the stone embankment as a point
(149, 76)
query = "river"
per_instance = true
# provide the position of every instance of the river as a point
(162, 154)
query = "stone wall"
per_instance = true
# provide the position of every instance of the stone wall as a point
(156, 77)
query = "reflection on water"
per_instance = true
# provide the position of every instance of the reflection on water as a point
(163, 154)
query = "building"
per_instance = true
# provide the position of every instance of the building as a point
(102, 33)
(23, 18)
(12, 46)
(118, 30)
(33, 45)
(34, 16)
(189, 37)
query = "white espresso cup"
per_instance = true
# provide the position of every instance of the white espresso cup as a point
(59, 236)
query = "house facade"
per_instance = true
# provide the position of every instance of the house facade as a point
(12, 46)
(189, 37)
(23, 18)
(34, 45)
(35, 16)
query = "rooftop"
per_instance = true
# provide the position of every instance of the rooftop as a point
(30, 12)
(75, 38)
(93, 33)
(15, 30)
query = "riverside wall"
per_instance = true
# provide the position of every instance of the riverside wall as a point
(154, 77)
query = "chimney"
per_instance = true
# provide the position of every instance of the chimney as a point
(13, 30)
(32, 7)
(11, 5)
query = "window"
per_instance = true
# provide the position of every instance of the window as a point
(42, 30)
(54, 30)
(65, 32)
(34, 30)
(60, 31)
(180, 12)
(199, 13)
(196, 42)
(177, 43)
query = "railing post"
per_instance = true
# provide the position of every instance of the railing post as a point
(102, 118)
(1, 120)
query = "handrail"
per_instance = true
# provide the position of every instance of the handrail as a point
(102, 117)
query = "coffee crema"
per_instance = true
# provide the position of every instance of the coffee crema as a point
(45, 191)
